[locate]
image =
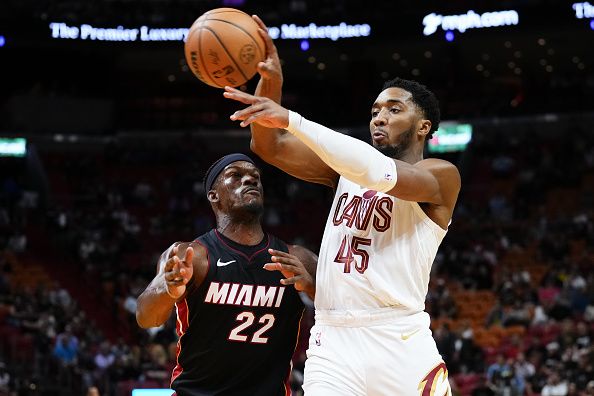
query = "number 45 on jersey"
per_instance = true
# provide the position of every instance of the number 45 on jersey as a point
(349, 248)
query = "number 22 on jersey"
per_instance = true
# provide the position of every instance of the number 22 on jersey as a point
(247, 319)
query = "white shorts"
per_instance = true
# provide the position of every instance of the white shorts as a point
(376, 352)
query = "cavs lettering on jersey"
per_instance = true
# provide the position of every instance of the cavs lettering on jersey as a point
(238, 329)
(377, 252)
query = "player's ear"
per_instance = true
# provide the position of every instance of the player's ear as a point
(212, 196)
(424, 127)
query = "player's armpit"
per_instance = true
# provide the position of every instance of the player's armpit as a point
(292, 156)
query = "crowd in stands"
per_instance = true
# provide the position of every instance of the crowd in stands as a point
(511, 296)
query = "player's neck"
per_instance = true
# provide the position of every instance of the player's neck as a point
(412, 156)
(243, 233)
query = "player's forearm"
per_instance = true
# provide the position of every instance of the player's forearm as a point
(265, 140)
(270, 88)
(154, 305)
(355, 160)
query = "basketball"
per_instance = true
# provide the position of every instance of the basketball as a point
(223, 47)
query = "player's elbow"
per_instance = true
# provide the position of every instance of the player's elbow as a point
(142, 320)
(265, 151)
(145, 320)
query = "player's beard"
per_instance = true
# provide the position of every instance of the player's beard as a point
(398, 149)
(256, 209)
(250, 213)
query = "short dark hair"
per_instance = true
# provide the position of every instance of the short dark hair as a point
(422, 97)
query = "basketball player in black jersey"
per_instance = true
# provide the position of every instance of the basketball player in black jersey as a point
(237, 317)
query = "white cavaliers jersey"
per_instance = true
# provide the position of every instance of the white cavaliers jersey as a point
(377, 251)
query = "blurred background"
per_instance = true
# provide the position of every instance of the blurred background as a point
(103, 146)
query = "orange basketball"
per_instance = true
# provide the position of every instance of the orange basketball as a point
(223, 47)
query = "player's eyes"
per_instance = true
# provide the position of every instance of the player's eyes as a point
(395, 110)
(374, 113)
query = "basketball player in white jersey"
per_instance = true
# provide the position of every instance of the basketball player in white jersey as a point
(390, 213)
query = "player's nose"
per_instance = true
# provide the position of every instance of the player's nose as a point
(250, 180)
(380, 119)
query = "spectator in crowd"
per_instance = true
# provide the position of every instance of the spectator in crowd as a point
(555, 386)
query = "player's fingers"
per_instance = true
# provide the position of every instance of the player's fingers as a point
(170, 264)
(235, 94)
(270, 48)
(173, 276)
(281, 267)
(291, 281)
(173, 252)
(273, 267)
(252, 118)
(279, 253)
(254, 113)
(248, 111)
(189, 256)
(260, 23)
(287, 260)
(265, 70)
(268, 43)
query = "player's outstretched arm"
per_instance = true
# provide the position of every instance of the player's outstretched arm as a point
(275, 145)
(298, 267)
(429, 181)
(174, 273)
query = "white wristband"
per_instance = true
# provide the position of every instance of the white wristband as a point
(356, 160)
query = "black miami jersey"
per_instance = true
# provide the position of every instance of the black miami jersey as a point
(238, 329)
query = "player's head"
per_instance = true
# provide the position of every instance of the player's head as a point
(233, 187)
(403, 116)
(92, 391)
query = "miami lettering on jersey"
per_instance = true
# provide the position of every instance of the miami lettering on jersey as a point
(245, 295)
(360, 211)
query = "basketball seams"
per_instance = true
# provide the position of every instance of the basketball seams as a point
(226, 51)
(237, 36)
(243, 30)
(220, 11)
(202, 63)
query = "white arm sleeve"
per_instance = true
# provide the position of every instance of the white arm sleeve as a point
(355, 160)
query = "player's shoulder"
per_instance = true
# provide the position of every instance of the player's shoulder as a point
(441, 168)
(435, 163)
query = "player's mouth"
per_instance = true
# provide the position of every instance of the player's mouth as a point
(379, 135)
(252, 191)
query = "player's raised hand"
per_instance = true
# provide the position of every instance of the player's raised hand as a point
(261, 110)
(178, 272)
(292, 269)
(270, 68)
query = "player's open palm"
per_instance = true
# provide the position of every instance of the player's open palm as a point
(261, 110)
(292, 269)
(178, 272)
